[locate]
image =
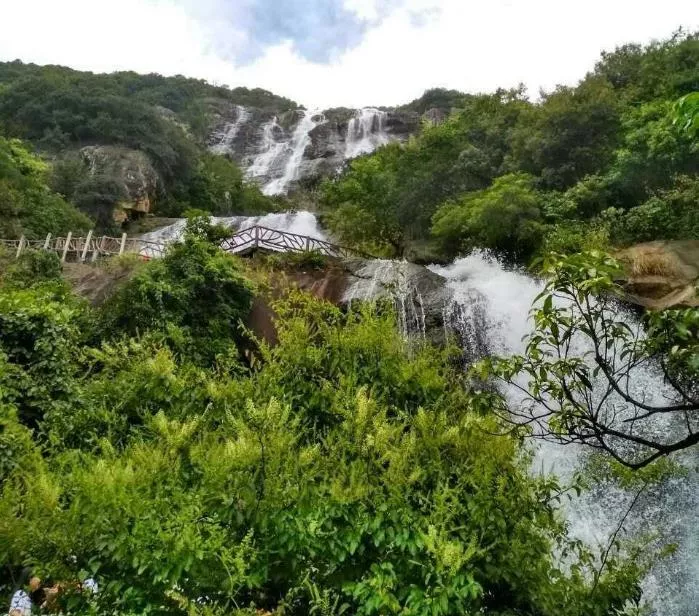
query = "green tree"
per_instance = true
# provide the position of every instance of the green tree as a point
(573, 133)
(504, 217)
(579, 376)
(196, 296)
(27, 205)
(687, 112)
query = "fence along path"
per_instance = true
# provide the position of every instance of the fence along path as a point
(88, 248)
(243, 242)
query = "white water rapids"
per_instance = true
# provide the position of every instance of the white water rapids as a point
(489, 309)
(489, 297)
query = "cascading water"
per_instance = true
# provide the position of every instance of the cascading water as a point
(406, 284)
(270, 150)
(296, 148)
(500, 316)
(280, 157)
(488, 306)
(365, 132)
(301, 223)
(227, 135)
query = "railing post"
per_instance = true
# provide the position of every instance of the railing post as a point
(66, 246)
(86, 246)
(19, 247)
(96, 250)
(47, 241)
(123, 244)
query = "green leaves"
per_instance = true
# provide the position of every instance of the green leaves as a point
(27, 206)
(583, 353)
(197, 296)
(686, 110)
(346, 472)
(504, 217)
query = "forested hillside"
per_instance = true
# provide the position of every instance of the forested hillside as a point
(129, 141)
(600, 163)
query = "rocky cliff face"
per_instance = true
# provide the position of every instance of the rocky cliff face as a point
(131, 170)
(279, 151)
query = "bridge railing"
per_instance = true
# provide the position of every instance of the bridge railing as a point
(265, 238)
(243, 242)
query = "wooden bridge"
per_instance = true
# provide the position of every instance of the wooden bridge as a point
(256, 238)
(244, 242)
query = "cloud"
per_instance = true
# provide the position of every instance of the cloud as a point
(317, 30)
(352, 53)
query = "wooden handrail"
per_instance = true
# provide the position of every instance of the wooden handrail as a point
(241, 242)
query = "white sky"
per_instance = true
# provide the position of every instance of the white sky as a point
(468, 45)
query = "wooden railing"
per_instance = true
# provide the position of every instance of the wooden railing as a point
(243, 242)
(88, 248)
(248, 240)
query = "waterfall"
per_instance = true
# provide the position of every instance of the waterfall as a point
(229, 131)
(270, 150)
(488, 306)
(280, 158)
(365, 132)
(500, 318)
(396, 280)
(301, 223)
(296, 148)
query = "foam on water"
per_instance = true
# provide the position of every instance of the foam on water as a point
(671, 509)
(301, 223)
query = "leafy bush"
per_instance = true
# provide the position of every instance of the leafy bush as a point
(669, 215)
(311, 260)
(32, 268)
(346, 471)
(27, 206)
(39, 340)
(504, 217)
(196, 296)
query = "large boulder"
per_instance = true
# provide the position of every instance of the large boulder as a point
(132, 171)
(420, 296)
(662, 274)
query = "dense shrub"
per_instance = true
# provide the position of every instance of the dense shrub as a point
(345, 472)
(196, 296)
(27, 205)
(505, 217)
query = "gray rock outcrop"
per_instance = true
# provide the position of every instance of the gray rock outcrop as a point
(133, 172)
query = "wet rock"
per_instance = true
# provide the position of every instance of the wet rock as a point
(402, 123)
(435, 115)
(420, 296)
(262, 145)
